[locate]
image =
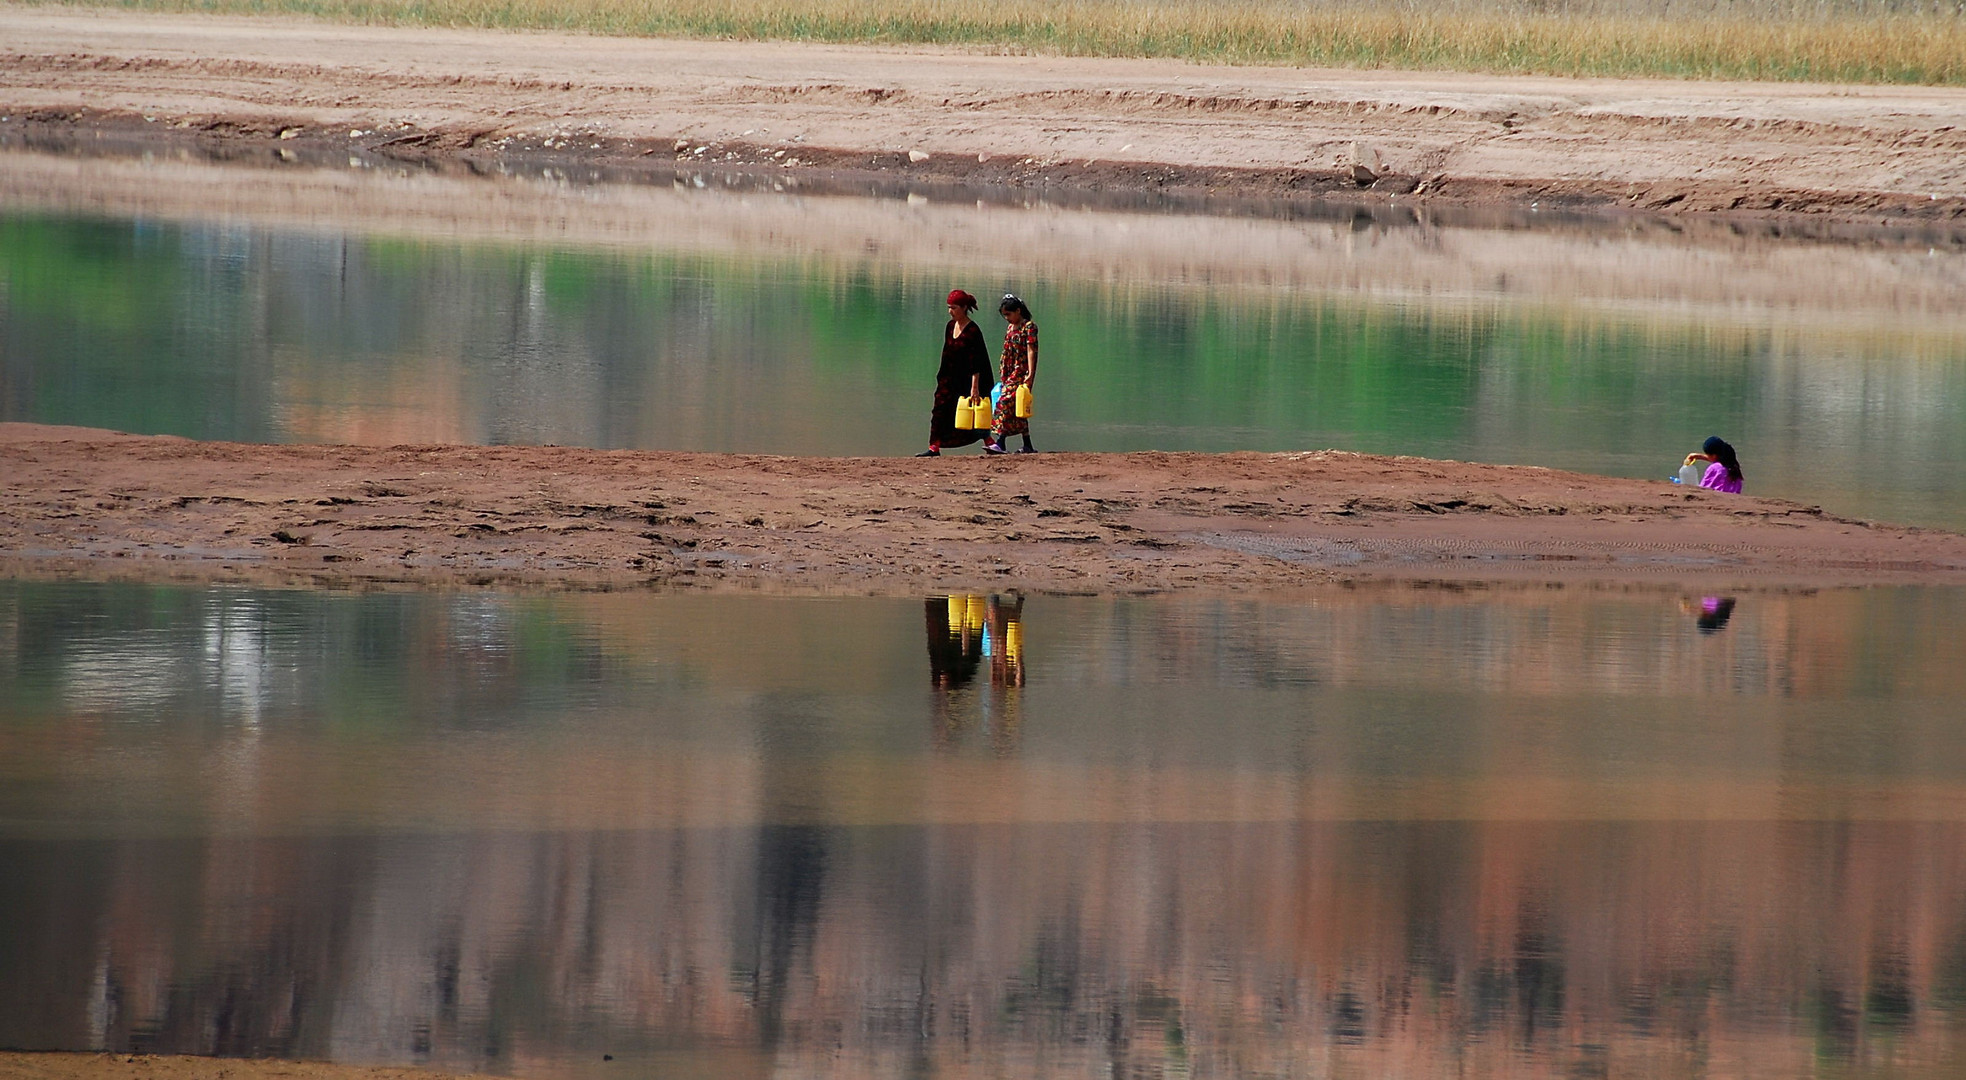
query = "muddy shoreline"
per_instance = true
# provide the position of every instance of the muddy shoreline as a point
(824, 119)
(1286, 194)
(98, 505)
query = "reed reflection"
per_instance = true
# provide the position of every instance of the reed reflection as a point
(1417, 833)
(967, 633)
(1544, 949)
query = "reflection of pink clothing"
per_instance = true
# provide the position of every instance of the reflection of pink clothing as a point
(1717, 479)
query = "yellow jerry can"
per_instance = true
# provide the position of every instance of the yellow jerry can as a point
(1024, 401)
(965, 417)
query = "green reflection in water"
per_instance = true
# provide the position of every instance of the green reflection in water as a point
(262, 335)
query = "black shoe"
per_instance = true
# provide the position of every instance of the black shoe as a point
(1027, 449)
(930, 452)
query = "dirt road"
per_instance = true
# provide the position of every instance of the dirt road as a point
(1857, 152)
(98, 504)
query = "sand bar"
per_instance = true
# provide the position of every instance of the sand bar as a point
(94, 504)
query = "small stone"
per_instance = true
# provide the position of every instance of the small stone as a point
(917, 155)
(1365, 163)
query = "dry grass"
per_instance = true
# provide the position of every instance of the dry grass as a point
(1859, 41)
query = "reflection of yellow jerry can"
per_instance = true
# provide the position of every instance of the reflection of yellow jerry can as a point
(958, 607)
(1024, 401)
(1013, 641)
(975, 613)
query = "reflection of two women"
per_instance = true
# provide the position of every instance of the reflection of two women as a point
(968, 632)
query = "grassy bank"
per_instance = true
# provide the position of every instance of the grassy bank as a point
(1860, 41)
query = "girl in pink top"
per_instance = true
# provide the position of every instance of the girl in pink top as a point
(1725, 472)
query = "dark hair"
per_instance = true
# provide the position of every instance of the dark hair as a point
(1718, 449)
(1010, 302)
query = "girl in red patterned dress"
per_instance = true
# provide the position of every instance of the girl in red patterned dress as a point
(1020, 368)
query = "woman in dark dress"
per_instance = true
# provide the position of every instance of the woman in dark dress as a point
(965, 372)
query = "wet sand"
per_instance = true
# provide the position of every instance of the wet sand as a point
(282, 88)
(96, 504)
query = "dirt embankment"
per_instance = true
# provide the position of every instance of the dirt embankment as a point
(286, 89)
(100, 505)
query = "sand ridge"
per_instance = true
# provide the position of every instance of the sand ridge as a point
(79, 502)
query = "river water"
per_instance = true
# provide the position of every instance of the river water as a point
(302, 305)
(1436, 833)
(1371, 831)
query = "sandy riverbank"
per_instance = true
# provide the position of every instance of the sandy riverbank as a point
(272, 87)
(95, 504)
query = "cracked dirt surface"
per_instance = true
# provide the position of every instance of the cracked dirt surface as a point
(1861, 152)
(97, 504)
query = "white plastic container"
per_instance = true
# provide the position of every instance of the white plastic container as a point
(1689, 474)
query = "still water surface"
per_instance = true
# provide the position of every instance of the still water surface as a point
(1534, 833)
(1839, 371)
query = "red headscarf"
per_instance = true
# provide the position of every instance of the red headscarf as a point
(959, 298)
